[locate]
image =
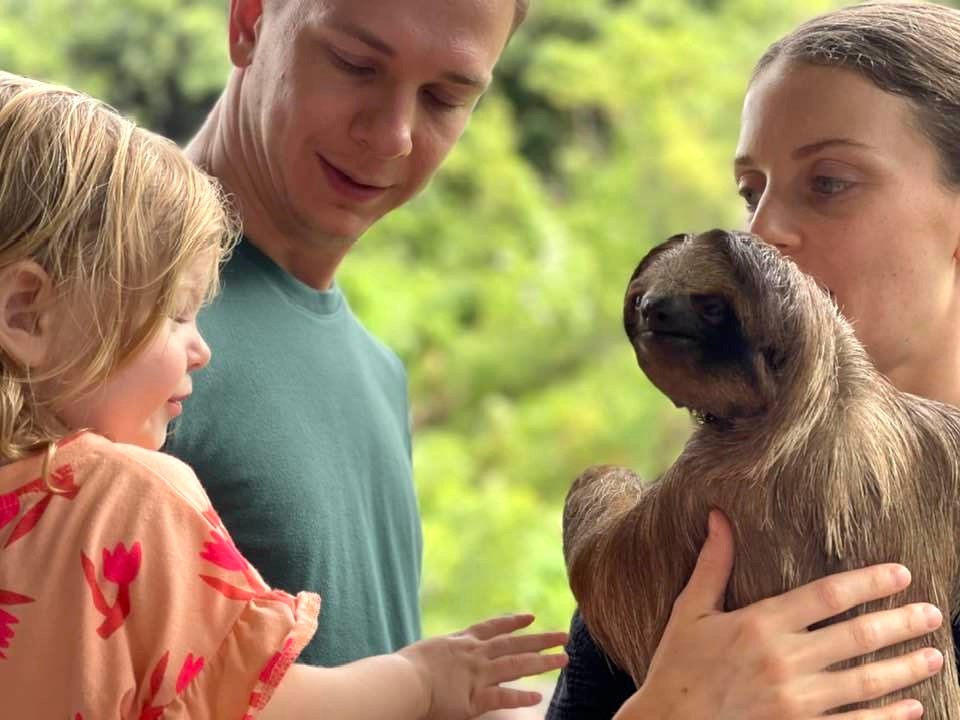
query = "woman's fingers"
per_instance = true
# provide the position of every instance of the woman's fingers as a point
(824, 598)
(902, 710)
(867, 633)
(868, 682)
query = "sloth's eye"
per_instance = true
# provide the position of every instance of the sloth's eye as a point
(714, 309)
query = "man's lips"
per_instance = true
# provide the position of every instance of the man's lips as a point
(349, 185)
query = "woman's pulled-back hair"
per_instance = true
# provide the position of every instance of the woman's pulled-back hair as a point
(115, 215)
(911, 49)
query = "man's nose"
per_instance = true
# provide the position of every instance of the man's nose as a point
(385, 128)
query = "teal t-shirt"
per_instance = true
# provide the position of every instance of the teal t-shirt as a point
(299, 431)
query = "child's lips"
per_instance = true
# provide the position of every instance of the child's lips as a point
(175, 404)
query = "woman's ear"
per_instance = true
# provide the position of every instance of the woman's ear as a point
(26, 312)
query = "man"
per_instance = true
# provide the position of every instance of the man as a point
(335, 113)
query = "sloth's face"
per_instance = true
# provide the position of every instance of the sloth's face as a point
(691, 314)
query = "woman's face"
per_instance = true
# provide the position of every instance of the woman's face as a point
(835, 173)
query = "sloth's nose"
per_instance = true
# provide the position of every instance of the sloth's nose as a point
(672, 314)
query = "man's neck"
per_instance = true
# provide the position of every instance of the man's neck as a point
(217, 148)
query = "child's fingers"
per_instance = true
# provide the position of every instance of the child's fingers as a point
(501, 698)
(514, 667)
(513, 644)
(499, 626)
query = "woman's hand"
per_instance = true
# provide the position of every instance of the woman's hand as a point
(761, 662)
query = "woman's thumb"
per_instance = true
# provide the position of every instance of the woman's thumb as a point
(705, 590)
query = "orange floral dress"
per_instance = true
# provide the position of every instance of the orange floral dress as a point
(123, 596)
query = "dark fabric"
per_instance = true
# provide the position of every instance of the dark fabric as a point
(591, 687)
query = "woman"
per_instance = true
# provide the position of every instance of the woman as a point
(848, 161)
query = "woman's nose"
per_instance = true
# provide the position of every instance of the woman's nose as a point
(775, 224)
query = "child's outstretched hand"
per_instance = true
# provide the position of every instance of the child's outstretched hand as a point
(461, 673)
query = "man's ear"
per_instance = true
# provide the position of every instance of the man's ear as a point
(245, 17)
(26, 312)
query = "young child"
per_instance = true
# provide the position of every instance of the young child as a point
(121, 593)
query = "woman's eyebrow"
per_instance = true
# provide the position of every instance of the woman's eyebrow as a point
(807, 150)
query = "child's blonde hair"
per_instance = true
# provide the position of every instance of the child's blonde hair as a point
(115, 215)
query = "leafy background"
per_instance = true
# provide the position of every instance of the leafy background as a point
(611, 126)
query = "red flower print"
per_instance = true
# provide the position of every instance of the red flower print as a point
(9, 508)
(60, 483)
(267, 673)
(6, 632)
(8, 597)
(224, 553)
(211, 515)
(191, 668)
(151, 709)
(121, 566)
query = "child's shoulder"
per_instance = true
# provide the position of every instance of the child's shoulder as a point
(97, 458)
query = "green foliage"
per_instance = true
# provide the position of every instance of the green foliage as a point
(161, 61)
(611, 127)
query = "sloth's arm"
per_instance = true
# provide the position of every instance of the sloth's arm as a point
(615, 573)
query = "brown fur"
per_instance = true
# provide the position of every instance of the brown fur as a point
(819, 462)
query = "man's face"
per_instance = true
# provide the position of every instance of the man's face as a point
(347, 107)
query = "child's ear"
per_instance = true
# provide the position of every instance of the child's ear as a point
(26, 312)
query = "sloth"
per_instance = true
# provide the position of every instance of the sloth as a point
(820, 464)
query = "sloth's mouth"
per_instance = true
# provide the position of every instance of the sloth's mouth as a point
(662, 335)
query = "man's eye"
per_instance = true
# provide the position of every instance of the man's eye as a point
(441, 103)
(349, 67)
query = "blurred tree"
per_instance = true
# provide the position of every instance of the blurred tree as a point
(161, 61)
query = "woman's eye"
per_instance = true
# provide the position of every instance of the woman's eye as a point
(826, 185)
(750, 196)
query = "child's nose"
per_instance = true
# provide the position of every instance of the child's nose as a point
(199, 353)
